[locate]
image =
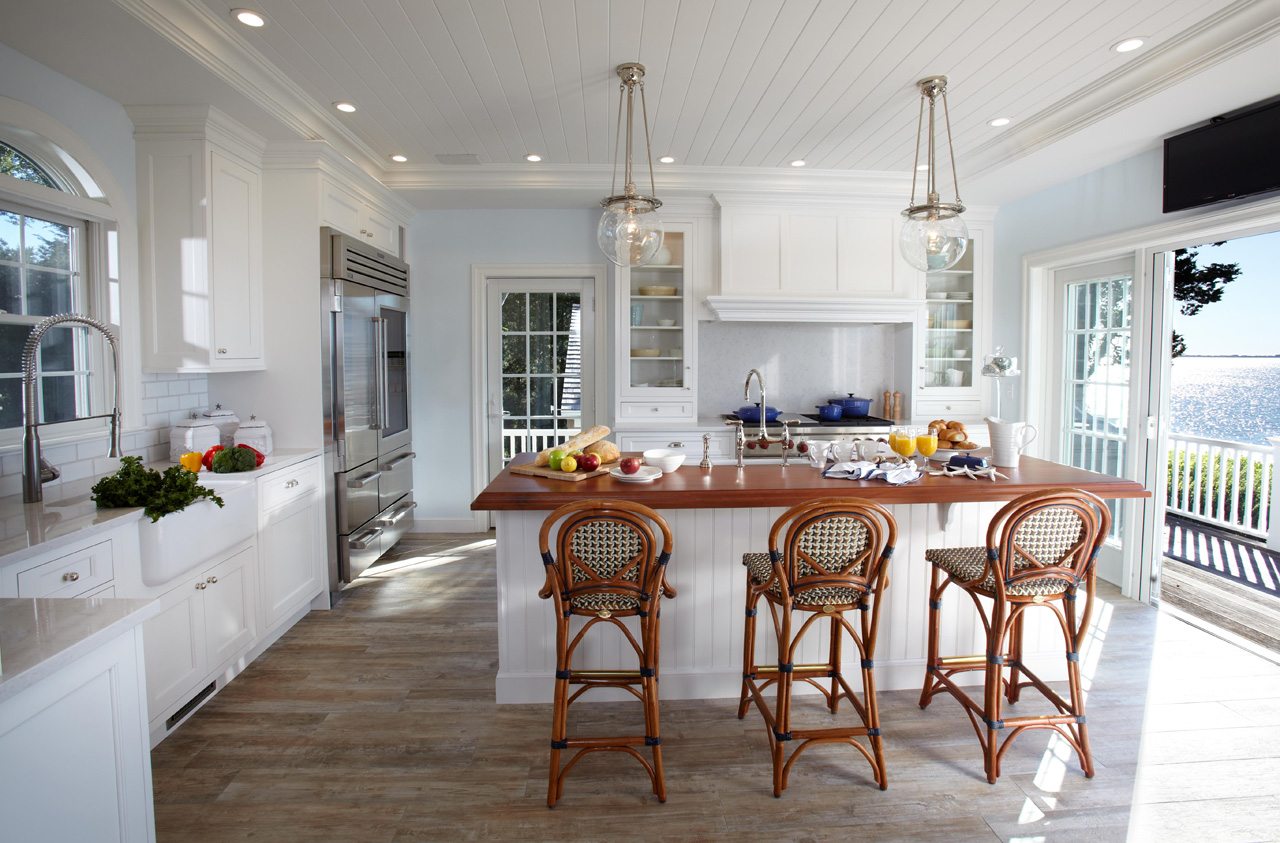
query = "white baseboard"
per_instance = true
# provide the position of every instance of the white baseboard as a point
(473, 524)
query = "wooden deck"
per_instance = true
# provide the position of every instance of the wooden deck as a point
(1231, 556)
(376, 722)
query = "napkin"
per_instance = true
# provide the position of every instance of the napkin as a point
(894, 473)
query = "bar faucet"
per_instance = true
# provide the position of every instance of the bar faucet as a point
(36, 470)
(764, 402)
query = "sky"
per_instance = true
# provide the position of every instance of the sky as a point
(1247, 320)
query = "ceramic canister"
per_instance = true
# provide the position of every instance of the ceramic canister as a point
(194, 434)
(256, 434)
(227, 422)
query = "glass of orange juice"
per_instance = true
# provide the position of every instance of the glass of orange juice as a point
(902, 439)
(927, 443)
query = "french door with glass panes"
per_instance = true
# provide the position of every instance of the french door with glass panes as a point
(541, 356)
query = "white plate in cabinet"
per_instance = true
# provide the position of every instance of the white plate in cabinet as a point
(69, 576)
(654, 410)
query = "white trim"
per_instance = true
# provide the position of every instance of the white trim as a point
(813, 309)
(481, 274)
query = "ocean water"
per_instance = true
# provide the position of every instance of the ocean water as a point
(1235, 398)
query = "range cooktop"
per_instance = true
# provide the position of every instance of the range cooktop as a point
(809, 420)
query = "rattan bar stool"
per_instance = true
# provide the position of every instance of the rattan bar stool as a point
(832, 558)
(607, 565)
(1040, 549)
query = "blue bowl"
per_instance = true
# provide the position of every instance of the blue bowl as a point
(750, 413)
(830, 412)
(854, 407)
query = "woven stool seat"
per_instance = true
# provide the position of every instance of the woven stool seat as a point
(596, 601)
(761, 570)
(965, 564)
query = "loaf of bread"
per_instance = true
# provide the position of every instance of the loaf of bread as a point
(573, 443)
(605, 450)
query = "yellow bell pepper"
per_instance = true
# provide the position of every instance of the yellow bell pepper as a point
(191, 461)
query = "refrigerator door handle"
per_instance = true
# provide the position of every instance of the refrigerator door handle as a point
(384, 397)
(379, 373)
(363, 480)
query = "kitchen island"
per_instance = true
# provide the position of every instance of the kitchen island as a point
(718, 514)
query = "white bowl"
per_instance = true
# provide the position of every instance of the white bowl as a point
(666, 323)
(665, 460)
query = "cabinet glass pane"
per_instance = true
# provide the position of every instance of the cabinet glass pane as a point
(656, 318)
(949, 310)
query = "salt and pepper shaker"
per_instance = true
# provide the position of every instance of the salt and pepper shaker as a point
(896, 415)
(888, 404)
(706, 451)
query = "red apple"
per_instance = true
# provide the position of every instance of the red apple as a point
(629, 465)
(589, 462)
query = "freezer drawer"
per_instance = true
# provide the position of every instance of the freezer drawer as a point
(396, 521)
(397, 477)
(367, 543)
(357, 494)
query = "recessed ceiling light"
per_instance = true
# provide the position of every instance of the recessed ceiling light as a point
(799, 162)
(533, 158)
(399, 159)
(344, 107)
(999, 121)
(1128, 45)
(249, 17)
(666, 159)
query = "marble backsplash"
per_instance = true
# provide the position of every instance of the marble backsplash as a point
(803, 364)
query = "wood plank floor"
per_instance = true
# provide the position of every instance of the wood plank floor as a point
(376, 722)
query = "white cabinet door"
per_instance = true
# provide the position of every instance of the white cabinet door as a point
(235, 259)
(381, 231)
(174, 645)
(229, 607)
(750, 253)
(291, 541)
(868, 259)
(341, 209)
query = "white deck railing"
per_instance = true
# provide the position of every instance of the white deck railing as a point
(521, 440)
(1227, 484)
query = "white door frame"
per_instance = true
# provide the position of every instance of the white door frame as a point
(1143, 245)
(481, 275)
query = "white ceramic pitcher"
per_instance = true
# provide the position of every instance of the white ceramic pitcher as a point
(1008, 440)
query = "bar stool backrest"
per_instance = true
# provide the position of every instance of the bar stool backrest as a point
(834, 543)
(606, 547)
(1048, 536)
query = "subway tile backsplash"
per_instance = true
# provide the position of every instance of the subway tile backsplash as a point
(166, 400)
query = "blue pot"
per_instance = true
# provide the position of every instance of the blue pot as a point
(750, 413)
(830, 412)
(854, 407)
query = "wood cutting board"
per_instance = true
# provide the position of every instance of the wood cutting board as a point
(571, 476)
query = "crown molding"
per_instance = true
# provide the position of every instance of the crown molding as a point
(1232, 30)
(195, 30)
(795, 308)
(319, 156)
(195, 122)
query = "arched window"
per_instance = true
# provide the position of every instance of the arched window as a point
(13, 163)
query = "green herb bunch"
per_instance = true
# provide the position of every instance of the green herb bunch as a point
(158, 494)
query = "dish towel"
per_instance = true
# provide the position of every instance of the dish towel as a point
(894, 473)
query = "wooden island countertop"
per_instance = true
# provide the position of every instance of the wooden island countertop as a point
(728, 487)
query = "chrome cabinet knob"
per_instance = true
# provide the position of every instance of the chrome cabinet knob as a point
(70, 576)
(222, 351)
(211, 580)
(200, 586)
(675, 444)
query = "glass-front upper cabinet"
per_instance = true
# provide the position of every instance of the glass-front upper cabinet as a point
(655, 313)
(950, 309)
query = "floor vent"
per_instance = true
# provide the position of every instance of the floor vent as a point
(190, 706)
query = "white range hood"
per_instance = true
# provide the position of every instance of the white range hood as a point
(784, 308)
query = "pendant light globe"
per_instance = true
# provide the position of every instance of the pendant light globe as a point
(934, 236)
(630, 230)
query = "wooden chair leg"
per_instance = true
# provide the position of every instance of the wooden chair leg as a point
(873, 726)
(935, 618)
(559, 720)
(1073, 678)
(992, 690)
(1014, 691)
(748, 648)
(834, 702)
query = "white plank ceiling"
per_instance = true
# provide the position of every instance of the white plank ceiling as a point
(739, 83)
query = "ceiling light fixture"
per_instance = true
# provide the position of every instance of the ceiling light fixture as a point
(934, 236)
(1128, 45)
(249, 17)
(344, 107)
(630, 231)
(399, 159)
(799, 162)
(533, 158)
(666, 159)
(999, 121)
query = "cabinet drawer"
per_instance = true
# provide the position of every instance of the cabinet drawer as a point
(947, 408)
(290, 484)
(70, 575)
(689, 442)
(654, 410)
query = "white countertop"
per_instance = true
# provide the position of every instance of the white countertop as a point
(38, 637)
(67, 511)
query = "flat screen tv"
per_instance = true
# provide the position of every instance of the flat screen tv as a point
(1232, 157)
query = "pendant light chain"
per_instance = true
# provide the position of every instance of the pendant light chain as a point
(648, 142)
(617, 141)
(932, 198)
(955, 180)
(628, 185)
(916, 160)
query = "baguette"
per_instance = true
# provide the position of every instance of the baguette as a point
(573, 443)
(606, 451)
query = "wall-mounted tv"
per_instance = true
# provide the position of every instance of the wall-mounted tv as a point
(1234, 156)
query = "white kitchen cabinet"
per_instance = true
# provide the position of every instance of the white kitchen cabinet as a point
(78, 766)
(74, 569)
(203, 624)
(290, 540)
(689, 441)
(352, 214)
(956, 334)
(200, 233)
(657, 333)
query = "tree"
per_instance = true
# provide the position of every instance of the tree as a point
(1196, 286)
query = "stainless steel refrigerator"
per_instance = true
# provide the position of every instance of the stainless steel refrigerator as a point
(368, 448)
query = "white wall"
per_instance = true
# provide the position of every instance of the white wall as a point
(443, 245)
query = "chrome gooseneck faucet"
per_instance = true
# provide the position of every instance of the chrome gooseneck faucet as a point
(764, 402)
(35, 469)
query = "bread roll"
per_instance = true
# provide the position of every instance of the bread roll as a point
(573, 443)
(605, 450)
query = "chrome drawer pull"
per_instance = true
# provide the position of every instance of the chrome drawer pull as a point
(291, 484)
(201, 586)
(211, 580)
(70, 576)
(403, 510)
(363, 542)
(395, 462)
(361, 482)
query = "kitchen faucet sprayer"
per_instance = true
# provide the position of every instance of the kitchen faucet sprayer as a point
(764, 402)
(35, 469)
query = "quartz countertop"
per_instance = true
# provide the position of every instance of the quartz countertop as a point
(67, 511)
(38, 637)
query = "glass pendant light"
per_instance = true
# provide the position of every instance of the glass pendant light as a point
(934, 237)
(630, 231)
